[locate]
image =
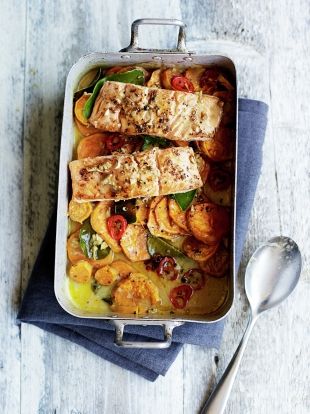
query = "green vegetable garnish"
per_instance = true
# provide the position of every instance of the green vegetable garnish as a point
(92, 245)
(150, 142)
(156, 245)
(184, 200)
(134, 76)
(86, 232)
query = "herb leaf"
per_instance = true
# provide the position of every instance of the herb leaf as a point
(86, 233)
(91, 243)
(135, 76)
(150, 142)
(184, 200)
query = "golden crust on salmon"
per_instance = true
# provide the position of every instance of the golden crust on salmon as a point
(145, 174)
(175, 115)
(177, 167)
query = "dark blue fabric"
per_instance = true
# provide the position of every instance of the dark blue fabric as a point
(40, 307)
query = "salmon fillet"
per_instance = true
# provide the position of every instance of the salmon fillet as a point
(174, 115)
(142, 174)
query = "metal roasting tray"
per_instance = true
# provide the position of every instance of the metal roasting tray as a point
(132, 55)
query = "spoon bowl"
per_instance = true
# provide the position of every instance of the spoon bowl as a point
(272, 273)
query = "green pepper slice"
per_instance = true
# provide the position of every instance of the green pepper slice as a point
(157, 245)
(134, 76)
(184, 200)
(150, 142)
(90, 243)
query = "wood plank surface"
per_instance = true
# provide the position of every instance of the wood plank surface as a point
(40, 40)
(11, 150)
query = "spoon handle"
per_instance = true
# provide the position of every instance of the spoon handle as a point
(217, 401)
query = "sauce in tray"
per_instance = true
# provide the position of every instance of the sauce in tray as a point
(168, 254)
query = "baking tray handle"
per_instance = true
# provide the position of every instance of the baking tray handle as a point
(134, 41)
(119, 333)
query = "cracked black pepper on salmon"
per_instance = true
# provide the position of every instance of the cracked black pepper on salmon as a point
(142, 174)
(174, 115)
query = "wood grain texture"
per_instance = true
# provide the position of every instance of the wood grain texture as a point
(11, 145)
(41, 373)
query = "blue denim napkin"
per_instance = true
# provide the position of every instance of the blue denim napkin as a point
(40, 307)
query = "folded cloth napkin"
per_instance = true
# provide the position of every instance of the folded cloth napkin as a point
(40, 307)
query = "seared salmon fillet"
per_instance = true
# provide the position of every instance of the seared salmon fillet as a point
(174, 115)
(142, 174)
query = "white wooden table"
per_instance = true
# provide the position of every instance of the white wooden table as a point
(40, 40)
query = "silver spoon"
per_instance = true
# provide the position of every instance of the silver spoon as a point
(271, 275)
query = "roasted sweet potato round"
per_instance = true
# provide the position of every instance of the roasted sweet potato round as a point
(218, 264)
(208, 222)
(178, 215)
(135, 294)
(166, 77)
(123, 268)
(163, 219)
(106, 275)
(197, 250)
(134, 243)
(219, 148)
(86, 130)
(92, 146)
(194, 74)
(154, 81)
(152, 223)
(98, 220)
(78, 108)
(79, 212)
(81, 271)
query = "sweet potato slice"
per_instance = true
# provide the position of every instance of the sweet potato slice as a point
(208, 222)
(166, 77)
(154, 81)
(86, 130)
(117, 69)
(106, 275)
(134, 243)
(142, 211)
(218, 264)
(123, 268)
(74, 250)
(136, 293)
(219, 148)
(198, 251)
(163, 218)
(122, 69)
(98, 221)
(218, 187)
(79, 212)
(221, 197)
(92, 146)
(194, 74)
(152, 223)
(177, 215)
(81, 271)
(78, 108)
